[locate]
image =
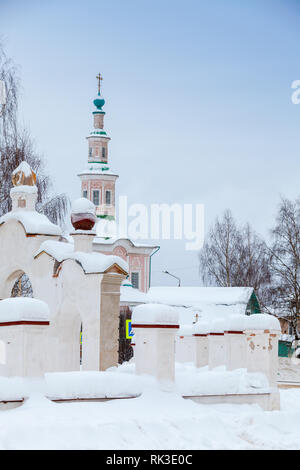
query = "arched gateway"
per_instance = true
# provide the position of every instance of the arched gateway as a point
(79, 286)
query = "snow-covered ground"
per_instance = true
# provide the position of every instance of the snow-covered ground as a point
(122, 381)
(159, 418)
(156, 420)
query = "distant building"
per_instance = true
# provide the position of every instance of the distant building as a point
(208, 302)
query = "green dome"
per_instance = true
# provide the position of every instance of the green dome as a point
(99, 102)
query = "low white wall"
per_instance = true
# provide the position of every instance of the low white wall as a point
(267, 401)
(154, 328)
(185, 348)
(236, 350)
(201, 350)
(24, 346)
(216, 350)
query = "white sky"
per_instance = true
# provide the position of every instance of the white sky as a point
(198, 101)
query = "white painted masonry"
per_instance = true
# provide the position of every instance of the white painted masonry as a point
(155, 327)
(81, 288)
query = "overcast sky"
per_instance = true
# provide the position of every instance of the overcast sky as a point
(198, 101)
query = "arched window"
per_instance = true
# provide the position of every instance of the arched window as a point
(22, 287)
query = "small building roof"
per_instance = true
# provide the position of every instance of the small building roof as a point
(132, 296)
(197, 296)
(123, 241)
(206, 302)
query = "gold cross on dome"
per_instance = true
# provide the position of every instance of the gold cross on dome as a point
(99, 78)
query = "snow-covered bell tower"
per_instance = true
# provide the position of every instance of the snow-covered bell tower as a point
(98, 181)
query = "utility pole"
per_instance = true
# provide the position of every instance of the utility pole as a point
(178, 278)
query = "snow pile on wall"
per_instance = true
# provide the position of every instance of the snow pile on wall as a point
(262, 321)
(122, 382)
(201, 328)
(218, 326)
(23, 309)
(155, 314)
(237, 323)
(83, 206)
(185, 330)
(192, 381)
(232, 323)
(90, 262)
(24, 189)
(62, 385)
(33, 222)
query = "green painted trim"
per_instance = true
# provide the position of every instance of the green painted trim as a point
(105, 163)
(98, 112)
(253, 304)
(106, 216)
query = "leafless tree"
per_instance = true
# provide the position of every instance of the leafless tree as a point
(235, 256)
(16, 145)
(285, 263)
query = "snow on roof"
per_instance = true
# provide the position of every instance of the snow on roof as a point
(200, 297)
(112, 240)
(129, 295)
(156, 314)
(33, 222)
(23, 167)
(97, 169)
(23, 189)
(90, 262)
(23, 309)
